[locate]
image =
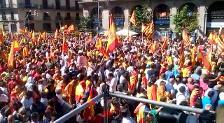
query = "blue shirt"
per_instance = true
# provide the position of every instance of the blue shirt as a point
(206, 100)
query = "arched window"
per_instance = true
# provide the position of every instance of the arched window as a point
(58, 19)
(57, 4)
(191, 7)
(118, 15)
(161, 17)
(215, 17)
(94, 16)
(45, 4)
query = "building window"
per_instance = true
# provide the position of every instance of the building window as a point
(58, 4)
(118, 15)
(46, 16)
(45, 4)
(47, 27)
(67, 4)
(27, 4)
(13, 28)
(3, 16)
(68, 16)
(2, 4)
(12, 16)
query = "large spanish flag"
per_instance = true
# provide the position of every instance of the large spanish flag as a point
(11, 56)
(112, 37)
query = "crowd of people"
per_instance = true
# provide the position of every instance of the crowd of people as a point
(47, 81)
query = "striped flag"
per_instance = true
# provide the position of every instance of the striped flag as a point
(112, 37)
(149, 29)
(11, 56)
(220, 45)
(133, 18)
(186, 37)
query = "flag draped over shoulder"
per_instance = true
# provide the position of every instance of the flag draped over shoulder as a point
(112, 37)
(89, 111)
(207, 60)
(140, 113)
(133, 18)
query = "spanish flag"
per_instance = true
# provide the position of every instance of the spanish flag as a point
(71, 28)
(89, 112)
(133, 18)
(25, 51)
(15, 45)
(64, 45)
(100, 47)
(112, 37)
(1, 38)
(79, 91)
(11, 56)
(140, 112)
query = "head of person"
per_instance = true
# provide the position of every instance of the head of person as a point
(182, 89)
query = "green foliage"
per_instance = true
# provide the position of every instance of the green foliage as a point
(143, 15)
(184, 19)
(84, 23)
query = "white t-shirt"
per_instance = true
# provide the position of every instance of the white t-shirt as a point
(179, 98)
(113, 85)
(127, 120)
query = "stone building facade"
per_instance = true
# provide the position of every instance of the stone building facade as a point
(40, 15)
(210, 13)
(48, 15)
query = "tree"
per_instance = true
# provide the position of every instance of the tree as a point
(185, 19)
(84, 23)
(143, 15)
